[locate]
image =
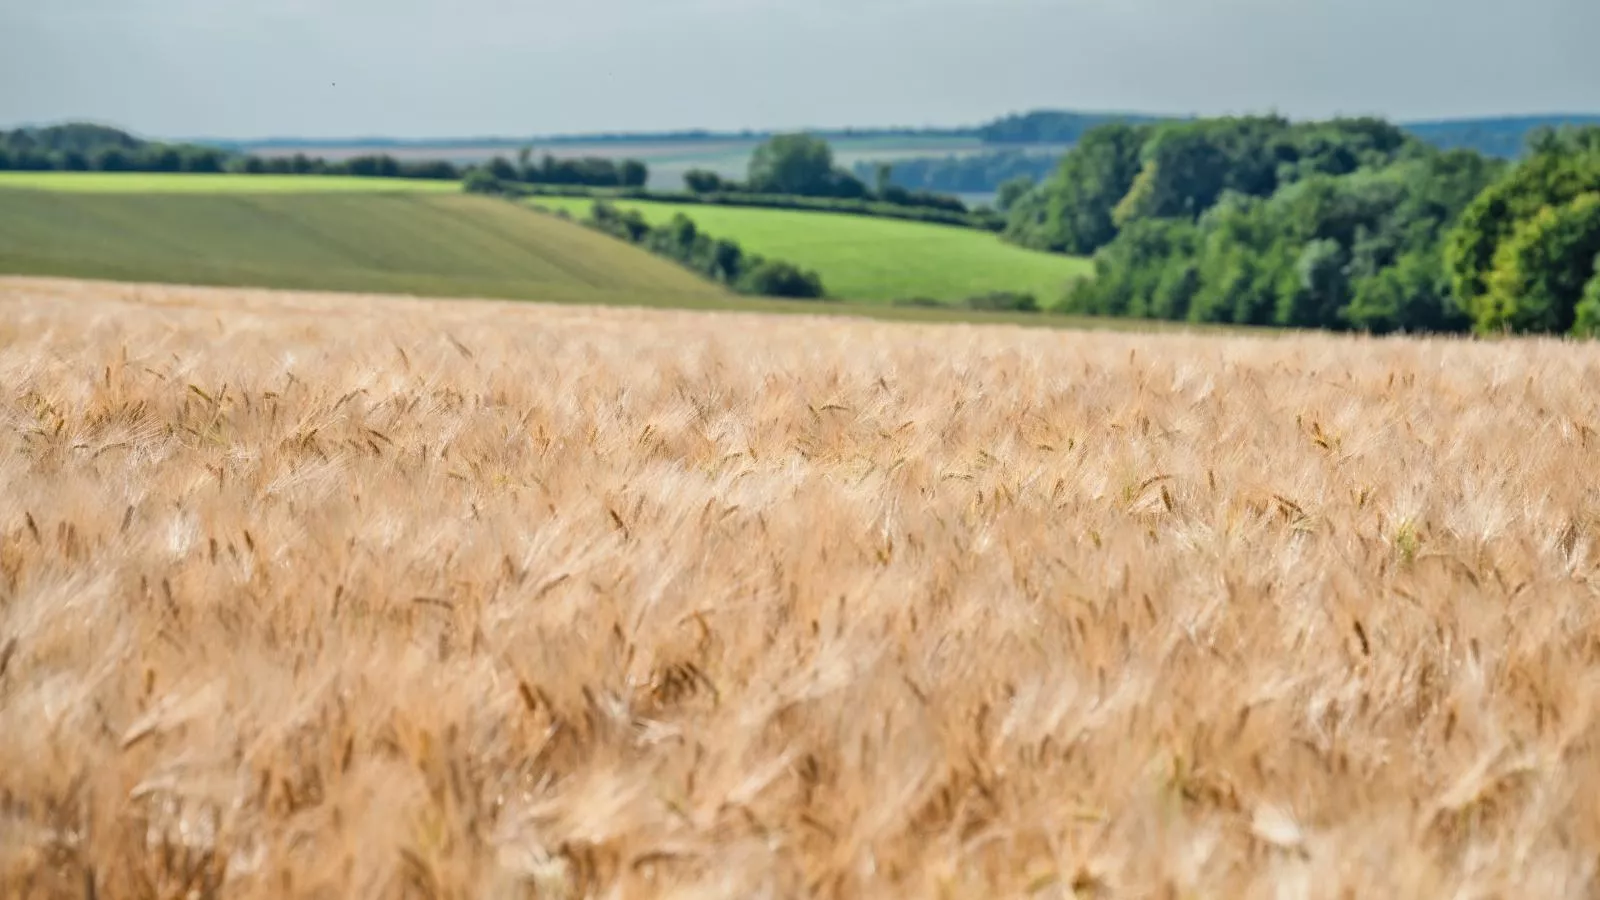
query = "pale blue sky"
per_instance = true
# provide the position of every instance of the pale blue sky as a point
(254, 68)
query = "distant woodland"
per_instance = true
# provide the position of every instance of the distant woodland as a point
(1343, 224)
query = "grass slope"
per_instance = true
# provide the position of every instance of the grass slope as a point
(870, 259)
(300, 600)
(444, 245)
(201, 183)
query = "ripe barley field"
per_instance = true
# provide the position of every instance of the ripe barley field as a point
(342, 596)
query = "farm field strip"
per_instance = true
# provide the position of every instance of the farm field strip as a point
(450, 244)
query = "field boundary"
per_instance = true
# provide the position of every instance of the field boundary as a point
(862, 208)
(724, 304)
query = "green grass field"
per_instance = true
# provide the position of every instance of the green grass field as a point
(193, 183)
(871, 259)
(450, 245)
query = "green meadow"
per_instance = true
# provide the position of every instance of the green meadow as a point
(869, 259)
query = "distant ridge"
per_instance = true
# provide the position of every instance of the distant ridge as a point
(1503, 136)
(686, 136)
(1528, 120)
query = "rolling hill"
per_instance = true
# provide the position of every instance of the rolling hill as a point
(870, 259)
(449, 245)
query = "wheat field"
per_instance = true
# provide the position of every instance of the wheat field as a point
(345, 596)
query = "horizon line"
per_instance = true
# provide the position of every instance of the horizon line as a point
(704, 133)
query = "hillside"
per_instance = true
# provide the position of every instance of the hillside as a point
(445, 244)
(871, 259)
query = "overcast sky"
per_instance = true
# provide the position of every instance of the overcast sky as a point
(432, 68)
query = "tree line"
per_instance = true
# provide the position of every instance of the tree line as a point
(481, 182)
(85, 147)
(974, 173)
(81, 147)
(802, 165)
(789, 171)
(720, 260)
(573, 171)
(1343, 224)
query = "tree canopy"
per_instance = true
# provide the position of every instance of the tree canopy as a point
(1120, 172)
(1071, 212)
(1523, 255)
(1260, 221)
(972, 173)
(719, 260)
(802, 165)
(82, 147)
